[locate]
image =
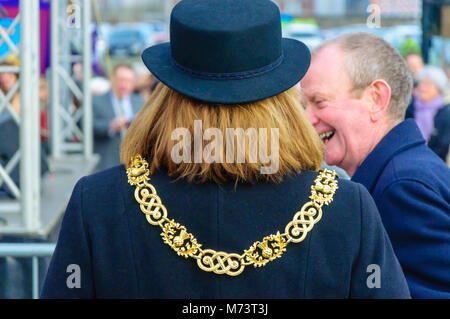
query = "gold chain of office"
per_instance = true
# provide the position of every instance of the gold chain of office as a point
(259, 254)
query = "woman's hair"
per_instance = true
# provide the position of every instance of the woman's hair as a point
(155, 132)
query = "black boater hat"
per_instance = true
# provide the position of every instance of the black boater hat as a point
(227, 51)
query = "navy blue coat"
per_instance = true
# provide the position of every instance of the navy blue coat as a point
(121, 255)
(411, 187)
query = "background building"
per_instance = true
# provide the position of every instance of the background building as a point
(403, 8)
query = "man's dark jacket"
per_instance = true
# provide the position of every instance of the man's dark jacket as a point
(411, 187)
(120, 255)
(106, 143)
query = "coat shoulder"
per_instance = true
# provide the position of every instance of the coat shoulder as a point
(104, 190)
(417, 165)
(106, 178)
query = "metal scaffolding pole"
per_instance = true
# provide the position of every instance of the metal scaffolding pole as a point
(54, 83)
(14, 206)
(29, 127)
(87, 72)
(71, 34)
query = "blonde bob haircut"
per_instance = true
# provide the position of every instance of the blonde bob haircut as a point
(150, 135)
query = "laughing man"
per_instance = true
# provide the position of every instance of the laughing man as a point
(357, 90)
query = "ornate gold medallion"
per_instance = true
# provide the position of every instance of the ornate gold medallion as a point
(232, 264)
(176, 236)
(260, 253)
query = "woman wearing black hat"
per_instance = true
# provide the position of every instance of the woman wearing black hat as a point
(220, 195)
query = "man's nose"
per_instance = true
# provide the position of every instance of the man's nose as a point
(311, 115)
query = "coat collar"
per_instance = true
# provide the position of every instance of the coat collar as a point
(402, 137)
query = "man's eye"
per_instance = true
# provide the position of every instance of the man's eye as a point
(320, 103)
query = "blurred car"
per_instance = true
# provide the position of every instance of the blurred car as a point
(132, 38)
(155, 31)
(309, 34)
(129, 41)
(159, 32)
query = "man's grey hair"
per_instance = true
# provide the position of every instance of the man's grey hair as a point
(368, 58)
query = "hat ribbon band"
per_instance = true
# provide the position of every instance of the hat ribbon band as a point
(230, 75)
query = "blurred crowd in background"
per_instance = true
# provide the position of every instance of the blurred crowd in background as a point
(121, 83)
(311, 22)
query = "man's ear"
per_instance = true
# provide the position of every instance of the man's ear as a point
(379, 97)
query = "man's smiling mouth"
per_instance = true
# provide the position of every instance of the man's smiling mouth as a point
(326, 136)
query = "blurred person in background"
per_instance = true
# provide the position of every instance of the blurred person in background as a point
(447, 94)
(357, 89)
(430, 110)
(10, 130)
(225, 82)
(77, 73)
(415, 63)
(146, 82)
(43, 106)
(7, 82)
(113, 113)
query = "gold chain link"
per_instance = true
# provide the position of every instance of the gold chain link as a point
(259, 254)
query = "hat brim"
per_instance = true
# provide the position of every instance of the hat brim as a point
(294, 66)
